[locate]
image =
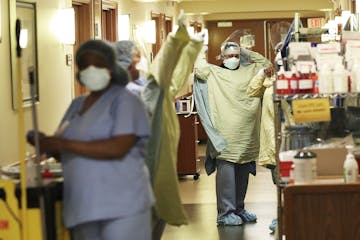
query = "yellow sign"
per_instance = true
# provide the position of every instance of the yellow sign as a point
(311, 110)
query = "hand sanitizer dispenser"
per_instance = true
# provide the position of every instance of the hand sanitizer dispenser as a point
(351, 168)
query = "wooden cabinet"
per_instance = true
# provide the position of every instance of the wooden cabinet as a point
(188, 162)
(322, 211)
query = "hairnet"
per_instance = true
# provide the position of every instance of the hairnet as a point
(231, 45)
(230, 48)
(125, 50)
(102, 48)
(105, 50)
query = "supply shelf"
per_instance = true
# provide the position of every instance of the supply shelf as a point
(290, 97)
(283, 187)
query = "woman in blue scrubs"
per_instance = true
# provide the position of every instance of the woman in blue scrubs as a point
(102, 140)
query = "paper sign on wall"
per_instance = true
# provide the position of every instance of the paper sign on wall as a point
(311, 110)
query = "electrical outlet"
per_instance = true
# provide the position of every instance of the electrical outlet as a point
(68, 59)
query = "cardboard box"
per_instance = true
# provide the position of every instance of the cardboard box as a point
(330, 161)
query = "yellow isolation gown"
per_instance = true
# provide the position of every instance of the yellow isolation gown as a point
(170, 69)
(234, 114)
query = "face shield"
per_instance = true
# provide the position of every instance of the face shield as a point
(230, 48)
(232, 45)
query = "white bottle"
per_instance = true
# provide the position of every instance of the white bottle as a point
(340, 79)
(355, 76)
(325, 79)
(305, 82)
(31, 174)
(351, 168)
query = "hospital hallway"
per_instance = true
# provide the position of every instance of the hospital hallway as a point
(199, 199)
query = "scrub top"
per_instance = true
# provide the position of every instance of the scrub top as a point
(103, 189)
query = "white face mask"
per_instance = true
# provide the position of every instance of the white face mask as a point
(95, 78)
(231, 63)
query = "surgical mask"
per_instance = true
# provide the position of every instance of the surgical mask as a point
(231, 63)
(94, 78)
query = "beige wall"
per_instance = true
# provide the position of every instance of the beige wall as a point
(255, 9)
(235, 6)
(55, 87)
(141, 12)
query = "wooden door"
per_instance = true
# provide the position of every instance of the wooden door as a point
(158, 18)
(109, 26)
(82, 34)
(168, 25)
(163, 28)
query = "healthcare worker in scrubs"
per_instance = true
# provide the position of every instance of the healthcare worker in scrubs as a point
(232, 121)
(102, 141)
(129, 57)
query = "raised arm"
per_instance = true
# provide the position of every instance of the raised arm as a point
(262, 80)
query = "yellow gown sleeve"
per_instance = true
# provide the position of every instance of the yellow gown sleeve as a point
(170, 70)
(256, 87)
(164, 64)
(185, 65)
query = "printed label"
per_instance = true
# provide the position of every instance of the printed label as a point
(281, 84)
(293, 84)
(305, 84)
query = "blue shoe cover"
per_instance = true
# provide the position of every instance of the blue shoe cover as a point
(273, 225)
(231, 219)
(247, 216)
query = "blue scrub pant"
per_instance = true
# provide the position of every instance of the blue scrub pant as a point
(136, 227)
(231, 186)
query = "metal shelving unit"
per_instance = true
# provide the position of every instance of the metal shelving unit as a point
(281, 185)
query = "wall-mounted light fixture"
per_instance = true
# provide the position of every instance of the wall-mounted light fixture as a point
(124, 27)
(24, 36)
(148, 31)
(64, 25)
